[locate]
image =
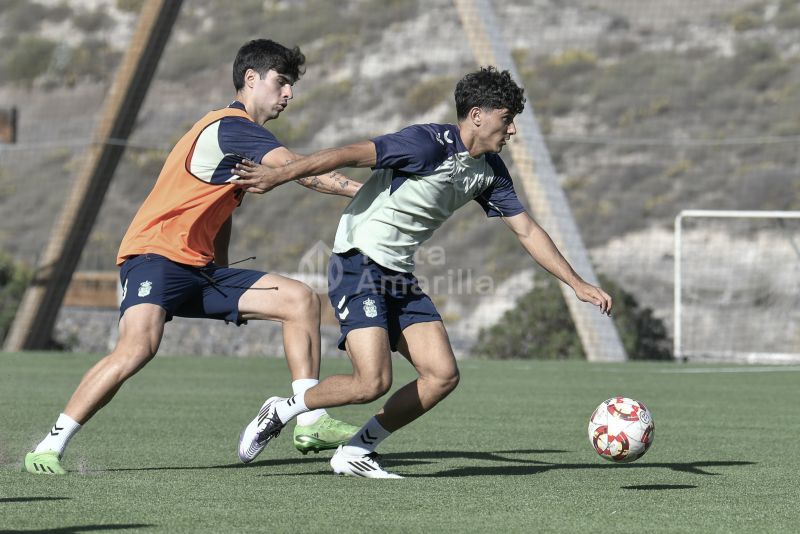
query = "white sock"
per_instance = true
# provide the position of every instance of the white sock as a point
(367, 439)
(291, 407)
(59, 435)
(301, 386)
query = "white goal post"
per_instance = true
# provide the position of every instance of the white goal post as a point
(737, 286)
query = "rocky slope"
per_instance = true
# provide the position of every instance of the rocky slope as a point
(648, 108)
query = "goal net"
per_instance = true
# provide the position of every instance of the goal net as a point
(737, 286)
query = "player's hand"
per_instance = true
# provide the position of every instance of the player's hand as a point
(254, 177)
(594, 295)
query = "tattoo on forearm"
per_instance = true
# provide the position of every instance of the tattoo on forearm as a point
(312, 182)
(330, 183)
(340, 180)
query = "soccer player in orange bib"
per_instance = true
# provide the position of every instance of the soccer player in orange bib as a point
(174, 257)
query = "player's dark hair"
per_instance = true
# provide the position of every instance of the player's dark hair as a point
(261, 55)
(488, 89)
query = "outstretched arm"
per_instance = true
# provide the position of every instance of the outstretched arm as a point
(542, 249)
(332, 183)
(255, 178)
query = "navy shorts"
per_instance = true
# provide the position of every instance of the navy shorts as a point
(366, 294)
(211, 292)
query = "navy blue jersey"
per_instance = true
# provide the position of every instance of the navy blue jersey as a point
(422, 175)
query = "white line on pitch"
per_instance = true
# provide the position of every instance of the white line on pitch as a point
(771, 369)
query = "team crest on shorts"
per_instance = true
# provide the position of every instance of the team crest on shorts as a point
(144, 288)
(370, 310)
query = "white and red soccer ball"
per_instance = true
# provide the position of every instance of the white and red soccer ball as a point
(621, 429)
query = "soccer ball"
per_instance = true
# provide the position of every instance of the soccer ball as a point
(621, 429)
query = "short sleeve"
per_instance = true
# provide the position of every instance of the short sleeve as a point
(412, 150)
(243, 137)
(499, 199)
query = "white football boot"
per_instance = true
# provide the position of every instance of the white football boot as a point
(366, 466)
(260, 431)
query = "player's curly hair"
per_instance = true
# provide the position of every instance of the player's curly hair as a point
(261, 55)
(488, 88)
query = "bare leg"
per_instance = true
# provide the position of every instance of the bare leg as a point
(427, 347)
(369, 352)
(140, 331)
(297, 308)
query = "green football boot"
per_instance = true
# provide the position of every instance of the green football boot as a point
(326, 433)
(43, 463)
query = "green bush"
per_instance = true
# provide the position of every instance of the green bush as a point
(540, 327)
(765, 75)
(750, 53)
(372, 15)
(93, 59)
(58, 12)
(130, 6)
(427, 94)
(29, 58)
(20, 16)
(332, 51)
(790, 20)
(90, 21)
(742, 22)
(14, 279)
(571, 62)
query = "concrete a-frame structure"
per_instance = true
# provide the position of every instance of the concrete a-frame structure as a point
(545, 196)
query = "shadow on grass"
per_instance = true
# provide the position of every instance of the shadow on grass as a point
(77, 529)
(403, 458)
(520, 467)
(659, 487)
(429, 457)
(411, 458)
(512, 466)
(278, 462)
(696, 468)
(32, 499)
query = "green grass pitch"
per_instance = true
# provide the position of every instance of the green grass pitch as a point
(507, 452)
